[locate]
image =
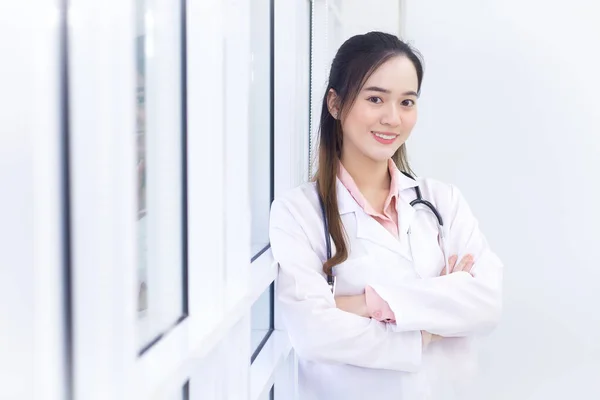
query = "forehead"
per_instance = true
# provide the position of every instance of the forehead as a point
(397, 74)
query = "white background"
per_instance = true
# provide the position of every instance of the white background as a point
(510, 112)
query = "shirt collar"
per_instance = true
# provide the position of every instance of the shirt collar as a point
(348, 190)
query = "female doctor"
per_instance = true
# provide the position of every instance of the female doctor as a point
(410, 293)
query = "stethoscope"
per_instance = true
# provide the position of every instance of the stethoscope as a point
(418, 201)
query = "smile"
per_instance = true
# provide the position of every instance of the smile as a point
(385, 138)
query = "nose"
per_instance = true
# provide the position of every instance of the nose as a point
(391, 116)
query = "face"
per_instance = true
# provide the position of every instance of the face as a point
(384, 113)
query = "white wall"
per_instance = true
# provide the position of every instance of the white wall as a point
(16, 228)
(347, 18)
(360, 16)
(32, 321)
(510, 113)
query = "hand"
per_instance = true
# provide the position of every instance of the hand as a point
(466, 263)
(427, 338)
(353, 304)
(435, 338)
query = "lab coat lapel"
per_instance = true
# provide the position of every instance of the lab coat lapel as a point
(406, 213)
(406, 194)
(368, 228)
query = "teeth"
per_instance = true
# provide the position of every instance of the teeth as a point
(386, 137)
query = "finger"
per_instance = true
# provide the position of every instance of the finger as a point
(435, 338)
(463, 263)
(452, 261)
(425, 338)
(469, 267)
(450, 264)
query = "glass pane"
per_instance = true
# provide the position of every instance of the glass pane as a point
(260, 122)
(261, 318)
(160, 186)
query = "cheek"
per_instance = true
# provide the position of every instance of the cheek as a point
(360, 118)
(409, 119)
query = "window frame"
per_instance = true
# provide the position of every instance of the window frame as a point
(35, 270)
(108, 365)
(184, 313)
(218, 324)
(276, 363)
(259, 258)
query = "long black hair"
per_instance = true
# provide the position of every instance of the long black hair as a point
(354, 63)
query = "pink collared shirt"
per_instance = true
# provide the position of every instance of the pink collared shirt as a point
(389, 217)
(378, 308)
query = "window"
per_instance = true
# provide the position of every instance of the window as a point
(261, 122)
(261, 158)
(161, 175)
(261, 320)
(129, 254)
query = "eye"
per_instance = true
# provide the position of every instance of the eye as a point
(408, 103)
(375, 100)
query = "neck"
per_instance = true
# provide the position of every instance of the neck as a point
(369, 175)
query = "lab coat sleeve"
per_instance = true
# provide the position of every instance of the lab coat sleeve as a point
(457, 304)
(317, 329)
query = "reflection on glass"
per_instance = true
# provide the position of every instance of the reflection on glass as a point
(159, 165)
(261, 318)
(140, 163)
(260, 122)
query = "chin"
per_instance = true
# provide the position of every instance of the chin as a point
(379, 156)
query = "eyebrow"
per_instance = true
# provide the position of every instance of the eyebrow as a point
(378, 89)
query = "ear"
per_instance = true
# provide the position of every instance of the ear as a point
(333, 103)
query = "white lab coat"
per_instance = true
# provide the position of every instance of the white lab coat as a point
(344, 356)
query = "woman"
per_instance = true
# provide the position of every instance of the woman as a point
(409, 297)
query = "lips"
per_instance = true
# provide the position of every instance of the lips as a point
(384, 137)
